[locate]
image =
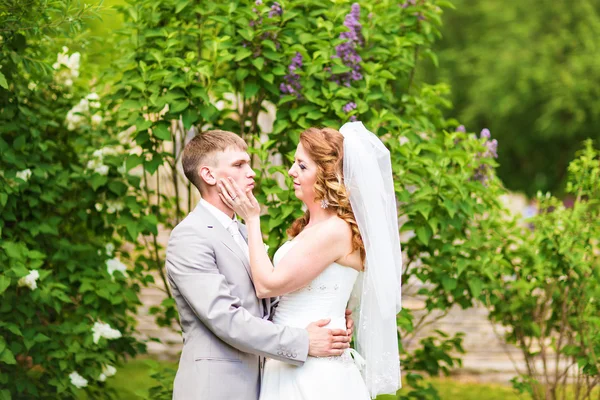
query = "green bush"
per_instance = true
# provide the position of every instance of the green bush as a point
(67, 304)
(548, 286)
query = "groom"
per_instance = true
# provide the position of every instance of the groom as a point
(226, 328)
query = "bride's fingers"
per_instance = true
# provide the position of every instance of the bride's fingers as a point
(235, 187)
(224, 199)
(224, 192)
(228, 188)
(252, 198)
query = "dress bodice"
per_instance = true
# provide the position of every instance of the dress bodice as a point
(325, 297)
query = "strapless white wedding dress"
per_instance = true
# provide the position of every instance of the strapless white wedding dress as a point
(327, 378)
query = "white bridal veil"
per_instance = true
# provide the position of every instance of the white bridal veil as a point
(368, 179)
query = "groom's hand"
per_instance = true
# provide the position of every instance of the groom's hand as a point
(323, 342)
(349, 323)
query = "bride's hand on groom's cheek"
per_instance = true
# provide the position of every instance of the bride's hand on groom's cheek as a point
(243, 203)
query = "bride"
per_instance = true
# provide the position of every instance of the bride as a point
(344, 248)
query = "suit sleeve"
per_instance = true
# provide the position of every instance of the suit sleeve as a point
(192, 268)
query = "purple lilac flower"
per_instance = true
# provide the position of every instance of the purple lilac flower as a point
(461, 128)
(292, 79)
(275, 10)
(353, 118)
(258, 2)
(492, 147)
(481, 174)
(349, 107)
(346, 51)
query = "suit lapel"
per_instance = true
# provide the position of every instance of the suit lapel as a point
(266, 303)
(223, 235)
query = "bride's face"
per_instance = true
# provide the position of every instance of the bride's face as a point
(304, 175)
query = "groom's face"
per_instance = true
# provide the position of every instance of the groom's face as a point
(234, 163)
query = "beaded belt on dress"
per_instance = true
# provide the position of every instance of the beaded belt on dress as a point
(350, 356)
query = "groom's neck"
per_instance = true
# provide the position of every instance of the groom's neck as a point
(213, 199)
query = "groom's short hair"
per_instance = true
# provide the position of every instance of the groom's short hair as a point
(203, 149)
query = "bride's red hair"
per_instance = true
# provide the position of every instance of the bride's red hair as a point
(325, 146)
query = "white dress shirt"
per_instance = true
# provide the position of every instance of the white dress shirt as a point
(231, 224)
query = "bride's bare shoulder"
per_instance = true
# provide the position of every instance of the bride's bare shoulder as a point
(339, 228)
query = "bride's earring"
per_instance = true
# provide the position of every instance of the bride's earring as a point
(324, 204)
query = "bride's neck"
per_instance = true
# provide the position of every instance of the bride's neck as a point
(318, 214)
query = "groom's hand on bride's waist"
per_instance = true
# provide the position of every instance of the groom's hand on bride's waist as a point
(324, 342)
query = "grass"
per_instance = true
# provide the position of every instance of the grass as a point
(132, 382)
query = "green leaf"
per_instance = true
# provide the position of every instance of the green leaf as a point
(424, 233)
(268, 77)
(258, 63)
(97, 181)
(241, 74)
(178, 106)
(3, 199)
(3, 82)
(118, 188)
(5, 394)
(181, 5)
(14, 250)
(7, 357)
(251, 90)
(448, 283)
(242, 53)
(161, 131)
(4, 283)
(200, 92)
(190, 116)
(476, 286)
(133, 161)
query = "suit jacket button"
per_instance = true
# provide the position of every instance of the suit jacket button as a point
(294, 355)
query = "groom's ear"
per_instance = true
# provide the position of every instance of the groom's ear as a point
(207, 176)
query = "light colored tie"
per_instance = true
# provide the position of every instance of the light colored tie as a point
(237, 236)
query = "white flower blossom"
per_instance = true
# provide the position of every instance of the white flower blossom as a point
(98, 206)
(101, 330)
(110, 248)
(30, 280)
(77, 380)
(101, 169)
(266, 247)
(96, 119)
(114, 264)
(109, 151)
(107, 371)
(77, 115)
(93, 100)
(113, 206)
(31, 86)
(24, 175)
(67, 67)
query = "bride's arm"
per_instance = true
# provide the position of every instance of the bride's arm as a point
(303, 262)
(328, 242)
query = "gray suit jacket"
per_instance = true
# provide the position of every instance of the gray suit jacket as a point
(226, 333)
